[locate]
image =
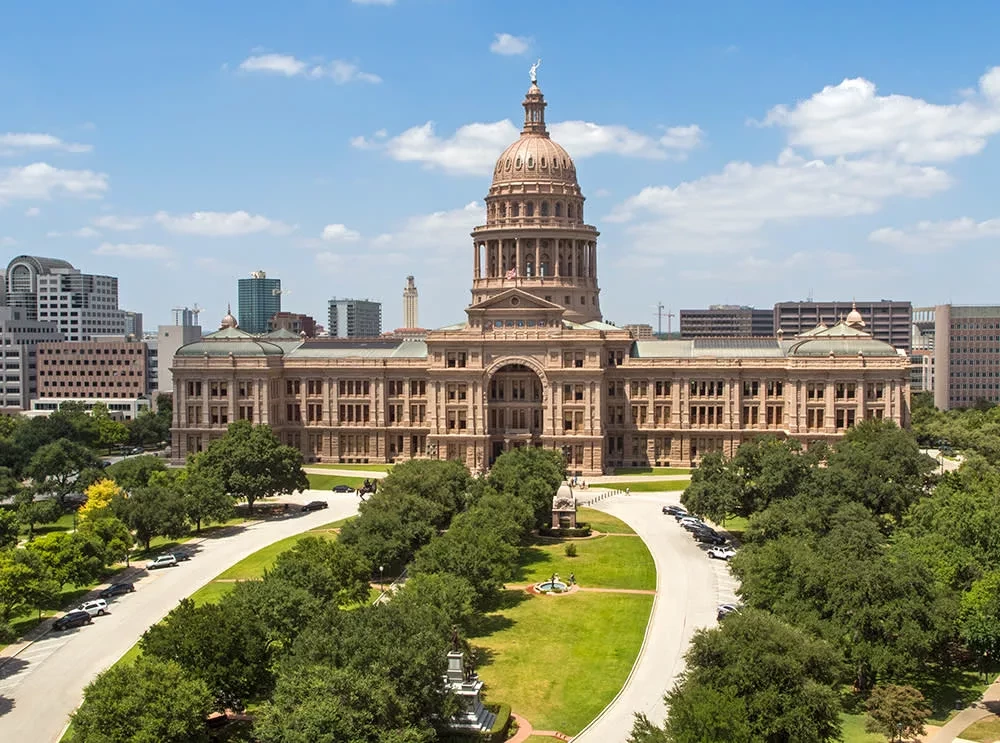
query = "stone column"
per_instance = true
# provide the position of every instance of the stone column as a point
(499, 257)
(477, 259)
(556, 261)
(205, 401)
(518, 249)
(538, 257)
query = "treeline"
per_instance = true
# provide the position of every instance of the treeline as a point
(975, 429)
(318, 660)
(860, 567)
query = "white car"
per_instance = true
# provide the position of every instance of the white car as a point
(163, 561)
(721, 553)
(95, 608)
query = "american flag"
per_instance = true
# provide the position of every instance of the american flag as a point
(512, 273)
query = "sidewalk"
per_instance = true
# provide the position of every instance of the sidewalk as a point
(988, 704)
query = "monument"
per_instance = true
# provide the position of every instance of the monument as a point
(472, 715)
(564, 508)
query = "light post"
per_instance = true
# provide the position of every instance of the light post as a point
(381, 585)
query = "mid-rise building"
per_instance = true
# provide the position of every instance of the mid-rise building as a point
(640, 331)
(966, 355)
(887, 321)
(354, 318)
(410, 314)
(293, 322)
(727, 321)
(532, 364)
(19, 338)
(168, 339)
(94, 371)
(259, 301)
(51, 290)
(133, 325)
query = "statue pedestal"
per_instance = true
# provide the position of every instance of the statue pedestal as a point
(472, 716)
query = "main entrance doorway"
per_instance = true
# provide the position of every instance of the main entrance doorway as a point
(514, 409)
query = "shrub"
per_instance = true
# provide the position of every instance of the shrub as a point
(570, 550)
(7, 634)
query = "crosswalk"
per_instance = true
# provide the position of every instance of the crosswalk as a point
(14, 670)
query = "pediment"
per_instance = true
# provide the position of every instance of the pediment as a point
(514, 300)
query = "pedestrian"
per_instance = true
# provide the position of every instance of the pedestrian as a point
(572, 579)
(628, 491)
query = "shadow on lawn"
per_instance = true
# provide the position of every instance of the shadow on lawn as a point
(532, 556)
(486, 624)
(946, 690)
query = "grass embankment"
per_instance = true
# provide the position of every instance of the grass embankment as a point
(559, 660)
(652, 471)
(643, 486)
(358, 467)
(326, 482)
(602, 522)
(986, 730)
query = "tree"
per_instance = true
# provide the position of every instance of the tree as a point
(390, 528)
(148, 429)
(897, 712)
(755, 678)
(135, 472)
(56, 466)
(99, 497)
(714, 491)
(31, 511)
(445, 483)
(979, 619)
(76, 558)
(252, 464)
(110, 432)
(205, 498)
(531, 474)
(153, 511)
(282, 609)
(24, 583)
(9, 528)
(149, 701)
(329, 571)
(114, 535)
(226, 649)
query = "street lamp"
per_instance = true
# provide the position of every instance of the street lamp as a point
(381, 586)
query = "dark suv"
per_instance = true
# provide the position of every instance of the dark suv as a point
(75, 618)
(116, 589)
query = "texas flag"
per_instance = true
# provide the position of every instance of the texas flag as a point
(512, 273)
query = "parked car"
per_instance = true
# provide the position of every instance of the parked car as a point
(116, 589)
(181, 556)
(343, 488)
(721, 553)
(708, 536)
(95, 608)
(725, 610)
(163, 561)
(692, 524)
(675, 511)
(75, 618)
(685, 515)
(315, 505)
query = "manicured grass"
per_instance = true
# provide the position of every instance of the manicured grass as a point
(601, 562)
(211, 593)
(735, 525)
(63, 523)
(326, 482)
(645, 486)
(986, 730)
(602, 522)
(652, 471)
(560, 660)
(359, 467)
(854, 730)
(254, 565)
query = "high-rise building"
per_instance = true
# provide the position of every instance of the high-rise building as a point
(133, 325)
(168, 339)
(293, 322)
(410, 317)
(19, 338)
(966, 355)
(727, 321)
(887, 321)
(260, 300)
(51, 290)
(354, 318)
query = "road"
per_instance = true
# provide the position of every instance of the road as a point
(689, 587)
(43, 684)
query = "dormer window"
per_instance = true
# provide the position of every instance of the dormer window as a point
(542, 162)
(531, 162)
(517, 164)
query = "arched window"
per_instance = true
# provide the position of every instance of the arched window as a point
(541, 162)
(531, 161)
(545, 208)
(529, 209)
(517, 164)
(529, 267)
(544, 268)
(558, 208)
(569, 211)
(516, 210)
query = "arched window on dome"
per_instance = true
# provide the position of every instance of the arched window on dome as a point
(529, 209)
(517, 164)
(531, 161)
(569, 211)
(541, 162)
(558, 208)
(515, 209)
(545, 208)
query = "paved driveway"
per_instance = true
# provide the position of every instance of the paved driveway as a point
(689, 587)
(44, 683)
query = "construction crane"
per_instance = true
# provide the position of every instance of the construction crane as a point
(660, 314)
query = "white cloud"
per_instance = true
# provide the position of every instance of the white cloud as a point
(221, 224)
(338, 70)
(508, 45)
(141, 251)
(931, 237)
(339, 232)
(41, 181)
(17, 142)
(851, 118)
(119, 224)
(725, 211)
(82, 232)
(32, 211)
(473, 148)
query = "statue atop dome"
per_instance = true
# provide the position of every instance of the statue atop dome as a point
(533, 72)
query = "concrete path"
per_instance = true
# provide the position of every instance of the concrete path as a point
(43, 683)
(689, 587)
(988, 703)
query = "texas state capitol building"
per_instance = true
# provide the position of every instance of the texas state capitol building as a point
(533, 364)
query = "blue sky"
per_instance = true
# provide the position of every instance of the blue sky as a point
(730, 152)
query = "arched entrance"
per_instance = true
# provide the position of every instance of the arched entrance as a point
(514, 409)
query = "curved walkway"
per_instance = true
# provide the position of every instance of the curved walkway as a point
(37, 702)
(987, 704)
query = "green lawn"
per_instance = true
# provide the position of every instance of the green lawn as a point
(63, 523)
(854, 730)
(326, 482)
(359, 467)
(986, 730)
(735, 525)
(602, 522)
(601, 562)
(652, 471)
(645, 486)
(559, 660)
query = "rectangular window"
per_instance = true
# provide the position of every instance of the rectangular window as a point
(293, 387)
(418, 388)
